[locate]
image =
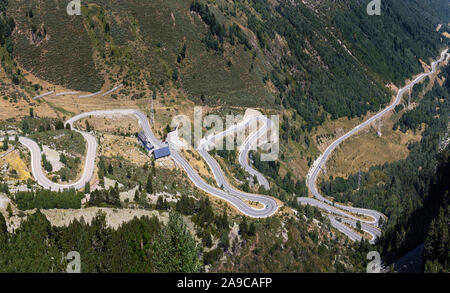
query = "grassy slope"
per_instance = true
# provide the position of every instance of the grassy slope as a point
(145, 38)
(66, 57)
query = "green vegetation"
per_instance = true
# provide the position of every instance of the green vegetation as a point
(5, 145)
(71, 168)
(208, 223)
(142, 245)
(46, 164)
(7, 26)
(318, 60)
(59, 49)
(427, 109)
(285, 188)
(70, 144)
(327, 60)
(176, 251)
(131, 175)
(265, 250)
(105, 198)
(411, 191)
(45, 199)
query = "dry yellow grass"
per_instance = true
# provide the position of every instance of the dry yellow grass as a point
(123, 124)
(363, 234)
(21, 108)
(197, 163)
(126, 147)
(51, 106)
(254, 204)
(325, 134)
(367, 149)
(294, 162)
(17, 164)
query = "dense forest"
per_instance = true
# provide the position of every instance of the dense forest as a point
(410, 192)
(148, 245)
(7, 26)
(324, 59)
(45, 199)
(142, 245)
(392, 44)
(437, 209)
(328, 75)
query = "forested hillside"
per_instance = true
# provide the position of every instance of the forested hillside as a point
(142, 245)
(7, 26)
(412, 192)
(437, 207)
(147, 245)
(312, 62)
(321, 58)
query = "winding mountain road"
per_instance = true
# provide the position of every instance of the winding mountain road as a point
(248, 145)
(320, 162)
(269, 204)
(233, 196)
(340, 215)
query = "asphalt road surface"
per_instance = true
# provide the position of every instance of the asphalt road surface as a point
(338, 214)
(321, 161)
(234, 197)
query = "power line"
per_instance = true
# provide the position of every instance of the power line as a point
(152, 111)
(359, 179)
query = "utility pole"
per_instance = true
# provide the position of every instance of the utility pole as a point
(324, 170)
(152, 111)
(409, 98)
(380, 124)
(359, 179)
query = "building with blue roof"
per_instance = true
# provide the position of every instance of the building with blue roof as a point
(161, 153)
(144, 141)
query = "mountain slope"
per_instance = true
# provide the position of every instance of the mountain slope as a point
(322, 59)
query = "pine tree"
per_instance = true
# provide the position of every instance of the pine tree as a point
(224, 241)
(136, 196)
(243, 226)
(207, 241)
(6, 143)
(222, 221)
(145, 168)
(3, 235)
(87, 188)
(252, 229)
(149, 185)
(153, 168)
(110, 169)
(358, 225)
(161, 204)
(176, 250)
(9, 210)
